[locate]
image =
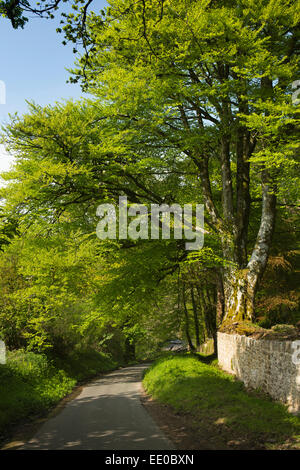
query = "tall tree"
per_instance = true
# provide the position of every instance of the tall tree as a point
(212, 80)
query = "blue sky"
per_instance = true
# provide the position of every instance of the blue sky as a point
(33, 67)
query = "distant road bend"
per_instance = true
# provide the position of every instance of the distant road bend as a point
(107, 414)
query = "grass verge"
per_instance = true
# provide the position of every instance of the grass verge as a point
(30, 384)
(219, 403)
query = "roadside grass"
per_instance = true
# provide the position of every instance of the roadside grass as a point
(30, 383)
(216, 399)
(83, 365)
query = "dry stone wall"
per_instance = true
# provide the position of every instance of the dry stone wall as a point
(271, 366)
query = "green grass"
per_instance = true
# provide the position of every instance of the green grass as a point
(84, 365)
(31, 383)
(211, 396)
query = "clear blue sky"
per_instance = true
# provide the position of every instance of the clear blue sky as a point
(33, 65)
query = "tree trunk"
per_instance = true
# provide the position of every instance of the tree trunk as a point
(129, 353)
(220, 308)
(187, 323)
(196, 319)
(237, 296)
(240, 285)
(240, 277)
(215, 344)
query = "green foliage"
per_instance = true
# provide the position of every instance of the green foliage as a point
(8, 229)
(278, 299)
(31, 383)
(84, 364)
(40, 294)
(210, 82)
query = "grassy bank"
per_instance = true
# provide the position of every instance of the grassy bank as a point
(32, 383)
(218, 403)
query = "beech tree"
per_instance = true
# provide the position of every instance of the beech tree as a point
(67, 162)
(192, 103)
(213, 80)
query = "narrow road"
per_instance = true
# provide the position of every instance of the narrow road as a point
(107, 414)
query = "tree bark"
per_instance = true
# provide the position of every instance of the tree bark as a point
(240, 285)
(196, 319)
(187, 322)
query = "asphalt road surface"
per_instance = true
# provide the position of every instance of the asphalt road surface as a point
(107, 414)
